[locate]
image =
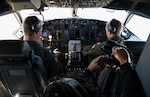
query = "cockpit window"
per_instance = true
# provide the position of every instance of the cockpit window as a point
(139, 27)
(48, 13)
(102, 14)
(9, 26)
(88, 13)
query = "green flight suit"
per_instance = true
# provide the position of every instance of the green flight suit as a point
(92, 52)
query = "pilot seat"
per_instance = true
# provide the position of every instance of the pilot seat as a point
(21, 72)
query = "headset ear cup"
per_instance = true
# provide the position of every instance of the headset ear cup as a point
(36, 27)
(32, 28)
(114, 29)
(111, 28)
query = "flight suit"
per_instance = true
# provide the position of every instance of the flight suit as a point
(53, 68)
(91, 52)
(105, 75)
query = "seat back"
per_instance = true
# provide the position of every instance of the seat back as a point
(16, 68)
(143, 68)
(136, 48)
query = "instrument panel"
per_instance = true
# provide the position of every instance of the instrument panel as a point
(69, 35)
(88, 31)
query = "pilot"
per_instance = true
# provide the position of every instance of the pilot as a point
(32, 27)
(113, 32)
(128, 83)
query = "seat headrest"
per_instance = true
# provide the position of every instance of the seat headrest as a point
(14, 48)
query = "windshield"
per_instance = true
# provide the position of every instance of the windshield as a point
(10, 26)
(89, 13)
(139, 26)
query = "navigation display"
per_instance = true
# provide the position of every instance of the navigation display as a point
(57, 35)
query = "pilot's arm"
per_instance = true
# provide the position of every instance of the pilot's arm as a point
(130, 84)
(92, 50)
(97, 63)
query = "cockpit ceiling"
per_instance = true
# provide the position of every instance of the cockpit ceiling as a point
(77, 3)
(140, 7)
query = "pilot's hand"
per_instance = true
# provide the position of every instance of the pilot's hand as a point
(56, 51)
(98, 63)
(121, 54)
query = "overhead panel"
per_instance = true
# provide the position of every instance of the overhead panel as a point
(25, 4)
(77, 3)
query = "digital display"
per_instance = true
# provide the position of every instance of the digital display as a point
(75, 34)
(57, 35)
(66, 32)
(88, 34)
(45, 34)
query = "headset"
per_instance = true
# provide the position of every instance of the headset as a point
(36, 25)
(111, 26)
(74, 85)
